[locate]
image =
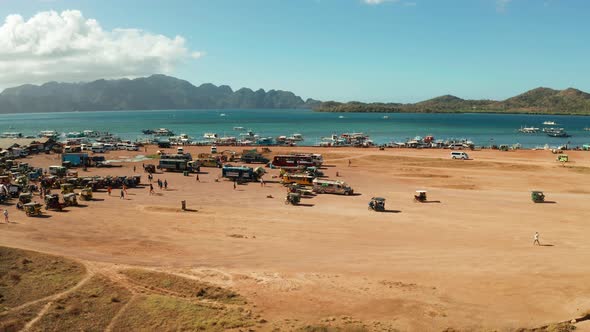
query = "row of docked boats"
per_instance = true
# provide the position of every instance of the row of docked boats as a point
(56, 135)
(245, 137)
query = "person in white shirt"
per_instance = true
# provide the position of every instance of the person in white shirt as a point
(536, 239)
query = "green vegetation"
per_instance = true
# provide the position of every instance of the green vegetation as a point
(162, 313)
(26, 276)
(182, 286)
(90, 308)
(537, 101)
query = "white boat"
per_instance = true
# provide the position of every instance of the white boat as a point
(222, 114)
(210, 136)
(550, 123)
(587, 129)
(11, 135)
(163, 132)
(239, 128)
(48, 133)
(295, 137)
(529, 130)
(341, 117)
(385, 117)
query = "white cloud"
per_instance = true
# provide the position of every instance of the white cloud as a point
(68, 47)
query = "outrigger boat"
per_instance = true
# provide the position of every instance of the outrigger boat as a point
(529, 130)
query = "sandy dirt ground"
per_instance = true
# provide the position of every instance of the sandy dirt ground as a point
(465, 260)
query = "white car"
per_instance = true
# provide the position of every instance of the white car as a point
(459, 155)
(131, 147)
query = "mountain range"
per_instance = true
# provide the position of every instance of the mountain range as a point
(164, 92)
(147, 93)
(537, 101)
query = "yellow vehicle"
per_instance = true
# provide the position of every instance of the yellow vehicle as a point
(32, 209)
(208, 162)
(67, 188)
(563, 158)
(86, 194)
(302, 179)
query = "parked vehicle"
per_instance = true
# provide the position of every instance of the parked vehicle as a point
(292, 160)
(67, 188)
(70, 199)
(32, 209)
(293, 198)
(86, 194)
(459, 155)
(537, 196)
(58, 170)
(98, 148)
(420, 196)
(75, 159)
(23, 199)
(208, 162)
(52, 202)
(331, 187)
(242, 173)
(173, 165)
(302, 179)
(377, 204)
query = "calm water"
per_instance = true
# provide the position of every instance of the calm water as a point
(482, 129)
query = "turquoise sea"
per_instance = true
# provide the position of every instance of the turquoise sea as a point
(482, 129)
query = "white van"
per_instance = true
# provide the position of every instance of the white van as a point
(121, 146)
(459, 155)
(97, 148)
(132, 147)
(180, 150)
(109, 147)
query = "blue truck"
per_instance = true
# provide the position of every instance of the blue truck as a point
(75, 159)
(242, 173)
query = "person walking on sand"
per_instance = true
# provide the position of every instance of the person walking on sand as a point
(133, 168)
(349, 162)
(536, 239)
(165, 184)
(6, 216)
(125, 189)
(198, 178)
(234, 185)
(151, 189)
(109, 189)
(122, 194)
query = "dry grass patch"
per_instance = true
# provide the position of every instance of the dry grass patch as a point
(167, 313)
(15, 321)
(324, 328)
(182, 286)
(90, 308)
(558, 327)
(26, 276)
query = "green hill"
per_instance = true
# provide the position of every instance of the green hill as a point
(536, 101)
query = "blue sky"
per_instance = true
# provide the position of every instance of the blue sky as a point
(349, 50)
